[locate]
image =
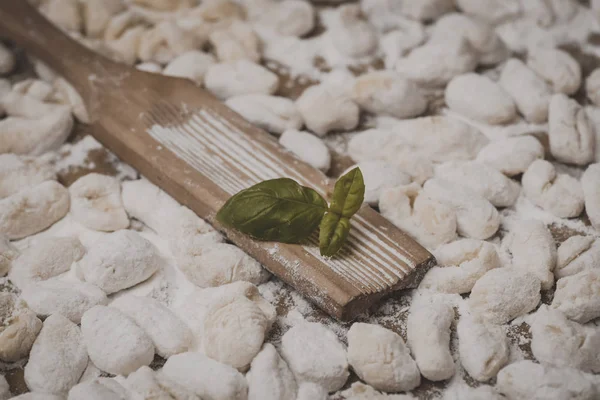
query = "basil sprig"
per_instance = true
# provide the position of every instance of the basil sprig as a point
(282, 210)
(333, 233)
(348, 196)
(275, 210)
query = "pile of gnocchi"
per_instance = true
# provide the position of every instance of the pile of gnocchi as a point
(476, 124)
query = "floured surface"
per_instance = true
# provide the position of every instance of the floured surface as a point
(170, 286)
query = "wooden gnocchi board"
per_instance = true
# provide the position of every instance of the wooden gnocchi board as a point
(201, 152)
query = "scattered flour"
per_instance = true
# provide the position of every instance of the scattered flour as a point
(423, 45)
(77, 155)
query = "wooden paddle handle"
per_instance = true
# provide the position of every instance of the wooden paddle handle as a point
(23, 24)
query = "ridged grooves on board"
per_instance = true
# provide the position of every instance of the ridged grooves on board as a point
(208, 142)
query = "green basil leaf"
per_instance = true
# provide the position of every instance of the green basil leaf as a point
(333, 234)
(348, 194)
(274, 210)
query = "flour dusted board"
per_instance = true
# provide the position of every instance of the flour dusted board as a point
(201, 153)
(376, 260)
